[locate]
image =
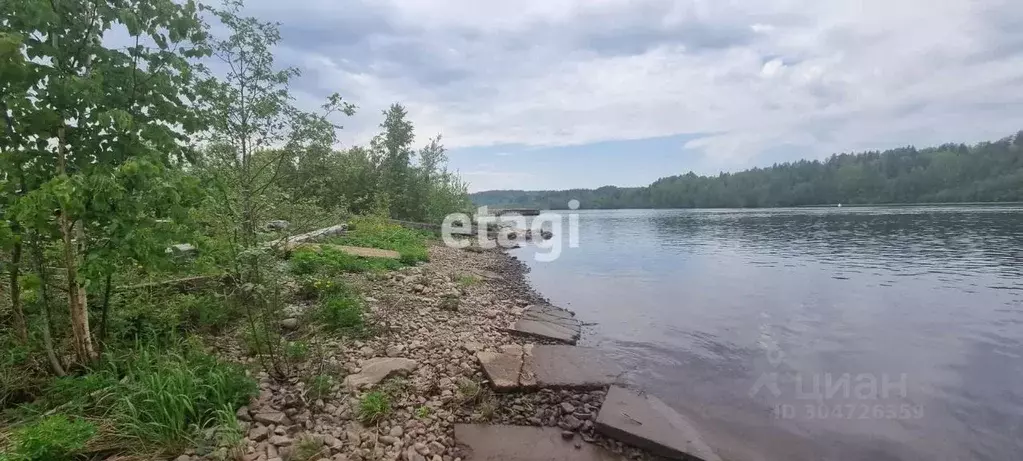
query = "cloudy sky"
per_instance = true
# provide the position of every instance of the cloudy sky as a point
(544, 94)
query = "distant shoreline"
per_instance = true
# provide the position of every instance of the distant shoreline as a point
(844, 205)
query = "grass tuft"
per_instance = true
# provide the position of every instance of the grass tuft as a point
(374, 407)
(309, 449)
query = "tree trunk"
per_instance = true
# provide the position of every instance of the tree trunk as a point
(44, 289)
(20, 326)
(108, 284)
(77, 302)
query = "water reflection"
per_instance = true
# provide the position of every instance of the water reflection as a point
(701, 304)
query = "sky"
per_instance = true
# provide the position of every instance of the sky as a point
(555, 94)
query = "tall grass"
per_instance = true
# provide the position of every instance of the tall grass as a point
(150, 400)
(166, 399)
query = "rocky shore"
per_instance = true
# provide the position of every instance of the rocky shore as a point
(428, 321)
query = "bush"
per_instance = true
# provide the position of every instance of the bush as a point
(158, 316)
(296, 351)
(206, 311)
(319, 387)
(342, 312)
(52, 438)
(374, 407)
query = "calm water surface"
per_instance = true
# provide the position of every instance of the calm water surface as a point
(813, 334)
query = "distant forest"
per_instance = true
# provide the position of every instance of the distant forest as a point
(986, 172)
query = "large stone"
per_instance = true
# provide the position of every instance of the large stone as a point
(524, 367)
(645, 421)
(289, 323)
(272, 417)
(258, 433)
(524, 443)
(548, 322)
(378, 369)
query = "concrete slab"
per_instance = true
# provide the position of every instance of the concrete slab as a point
(502, 368)
(524, 443)
(548, 322)
(644, 421)
(525, 367)
(571, 367)
(361, 252)
(545, 330)
(550, 310)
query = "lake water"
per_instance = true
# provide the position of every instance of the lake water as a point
(889, 333)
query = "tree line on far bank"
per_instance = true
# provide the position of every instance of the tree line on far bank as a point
(986, 172)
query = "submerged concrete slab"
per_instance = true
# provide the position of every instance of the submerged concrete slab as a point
(548, 322)
(524, 443)
(525, 367)
(646, 422)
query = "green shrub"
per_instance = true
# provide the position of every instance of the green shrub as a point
(343, 313)
(466, 281)
(159, 316)
(144, 317)
(53, 438)
(296, 351)
(374, 407)
(205, 311)
(256, 340)
(318, 287)
(305, 262)
(319, 387)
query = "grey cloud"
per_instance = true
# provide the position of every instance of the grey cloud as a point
(573, 72)
(695, 37)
